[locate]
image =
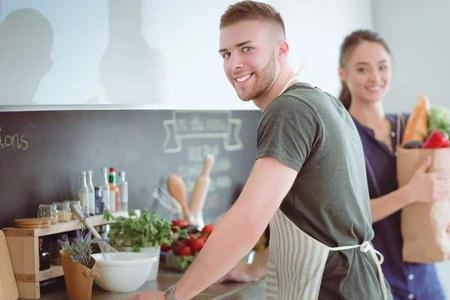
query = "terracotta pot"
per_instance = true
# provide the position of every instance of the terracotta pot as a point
(78, 278)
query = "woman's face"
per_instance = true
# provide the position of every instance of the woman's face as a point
(367, 72)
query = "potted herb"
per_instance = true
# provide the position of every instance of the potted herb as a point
(139, 232)
(78, 266)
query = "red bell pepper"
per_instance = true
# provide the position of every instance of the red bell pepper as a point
(437, 139)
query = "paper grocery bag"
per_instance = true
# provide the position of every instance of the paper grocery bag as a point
(425, 227)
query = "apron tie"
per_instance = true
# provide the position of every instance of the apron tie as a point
(377, 257)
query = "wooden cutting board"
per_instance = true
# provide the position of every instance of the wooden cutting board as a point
(8, 287)
(32, 222)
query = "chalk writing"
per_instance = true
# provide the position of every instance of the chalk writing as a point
(201, 125)
(13, 141)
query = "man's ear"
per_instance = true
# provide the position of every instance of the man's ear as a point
(283, 50)
(342, 74)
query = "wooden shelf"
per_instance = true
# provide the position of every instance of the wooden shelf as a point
(59, 227)
(53, 272)
(23, 246)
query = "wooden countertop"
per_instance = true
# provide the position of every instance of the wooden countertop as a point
(234, 291)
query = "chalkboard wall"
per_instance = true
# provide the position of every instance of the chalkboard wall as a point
(42, 154)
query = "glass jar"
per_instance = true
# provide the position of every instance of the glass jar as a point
(76, 203)
(64, 213)
(48, 211)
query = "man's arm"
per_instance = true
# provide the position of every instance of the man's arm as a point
(240, 228)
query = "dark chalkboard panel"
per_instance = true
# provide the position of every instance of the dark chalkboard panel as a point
(42, 153)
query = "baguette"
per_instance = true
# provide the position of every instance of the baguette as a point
(417, 125)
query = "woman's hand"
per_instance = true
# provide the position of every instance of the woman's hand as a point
(426, 186)
(154, 295)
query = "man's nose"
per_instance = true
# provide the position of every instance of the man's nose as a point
(236, 62)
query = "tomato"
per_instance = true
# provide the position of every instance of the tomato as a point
(197, 244)
(180, 223)
(184, 251)
(165, 247)
(208, 228)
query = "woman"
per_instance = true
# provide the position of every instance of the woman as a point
(365, 72)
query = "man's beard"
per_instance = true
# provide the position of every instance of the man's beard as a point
(266, 77)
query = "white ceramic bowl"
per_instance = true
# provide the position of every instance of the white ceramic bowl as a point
(123, 271)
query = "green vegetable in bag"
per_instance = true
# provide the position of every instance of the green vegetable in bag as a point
(439, 118)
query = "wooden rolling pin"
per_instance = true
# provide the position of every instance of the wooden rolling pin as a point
(177, 190)
(201, 186)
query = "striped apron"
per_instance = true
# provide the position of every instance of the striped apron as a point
(297, 261)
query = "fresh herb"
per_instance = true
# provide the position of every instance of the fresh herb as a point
(142, 230)
(80, 249)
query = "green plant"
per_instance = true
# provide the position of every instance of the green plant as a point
(145, 229)
(80, 249)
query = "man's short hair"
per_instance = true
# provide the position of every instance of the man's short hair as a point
(251, 11)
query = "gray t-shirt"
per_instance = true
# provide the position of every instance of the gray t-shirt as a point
(311, 132)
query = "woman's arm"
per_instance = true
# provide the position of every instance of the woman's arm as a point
(388, 204)
(423, 186)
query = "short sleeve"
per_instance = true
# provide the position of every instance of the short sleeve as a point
(289, 131)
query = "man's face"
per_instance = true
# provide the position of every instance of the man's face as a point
(248, 50)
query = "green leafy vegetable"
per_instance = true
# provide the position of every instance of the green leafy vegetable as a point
(439, 118)
(138, 231)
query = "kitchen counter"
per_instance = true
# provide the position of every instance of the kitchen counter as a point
(234, 291)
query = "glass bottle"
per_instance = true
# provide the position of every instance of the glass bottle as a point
(83, 194)
(44, 256)
(123, 191)
(104, 187)
(98, 201)
(91, 195)
(113, 190)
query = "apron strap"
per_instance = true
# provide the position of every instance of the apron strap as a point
(376, 256)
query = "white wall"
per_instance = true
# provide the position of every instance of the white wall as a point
(418, 35)
(163, 52)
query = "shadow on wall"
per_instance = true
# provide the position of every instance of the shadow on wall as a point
(26, 41)
(131, 72)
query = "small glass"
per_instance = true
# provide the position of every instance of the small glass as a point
(48, 211)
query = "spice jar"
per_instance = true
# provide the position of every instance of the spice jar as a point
(64, 213)
(48, 211)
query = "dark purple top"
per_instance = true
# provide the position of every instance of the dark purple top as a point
(407, 280)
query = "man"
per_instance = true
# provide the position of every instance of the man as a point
(308, 179)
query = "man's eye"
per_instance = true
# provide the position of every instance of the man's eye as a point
(247, 49)
(226, 55)
(361, 70)
(383, 67)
